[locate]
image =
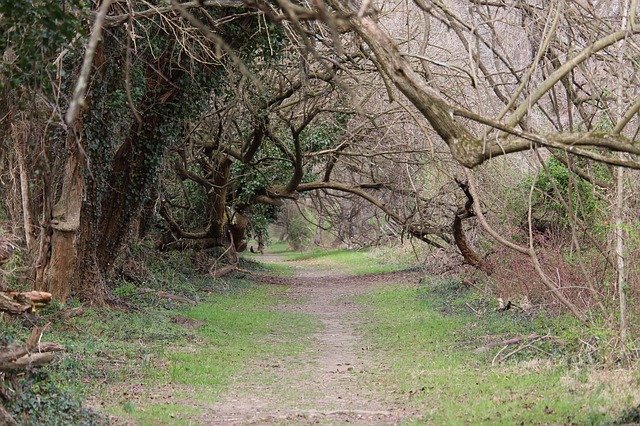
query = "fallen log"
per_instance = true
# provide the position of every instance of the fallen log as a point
(15, 354)
(27, 362)
(17, 358)
(32, 353)
(7, 304)
(35, 297)
(16, 302)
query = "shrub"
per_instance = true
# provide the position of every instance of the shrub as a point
(555, 191)
(299, 232)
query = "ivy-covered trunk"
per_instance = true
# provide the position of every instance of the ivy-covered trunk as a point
(135, 164)
(105, 187)
(136, 106)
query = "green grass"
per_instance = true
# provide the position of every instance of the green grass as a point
(236, 330)
(353, 262)
(427, 338)
(122, 354)
(273, 268)
(158, 414)
(232, 329)
(278, 247)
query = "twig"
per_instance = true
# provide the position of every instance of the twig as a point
(493, 361)
(521, 348)
(474, 310)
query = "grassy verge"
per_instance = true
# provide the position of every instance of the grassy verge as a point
(353, 262)
(428, 338)
(155, 360)
(232, 330)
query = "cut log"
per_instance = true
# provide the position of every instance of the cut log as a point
(16, 303)
(7, 304)
(13, 354)
(34, 297)
(32, 353)
(27, 362)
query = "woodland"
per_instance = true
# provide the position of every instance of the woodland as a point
(493, 142)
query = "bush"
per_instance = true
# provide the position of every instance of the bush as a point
(555, 190)
(299, 233)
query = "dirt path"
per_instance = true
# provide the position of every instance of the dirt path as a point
(336, 381)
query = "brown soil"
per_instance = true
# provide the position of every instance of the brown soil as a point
(336, 380)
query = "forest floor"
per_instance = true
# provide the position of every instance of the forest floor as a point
(341, 338)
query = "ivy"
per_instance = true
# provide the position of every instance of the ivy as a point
(33, 33)
(553, 185)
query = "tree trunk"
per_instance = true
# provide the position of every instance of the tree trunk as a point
(468, 253)
(24, 193)
(136, 162)
(89, 281)
(619, 210)
(65, 222)
(218, 199)
(96, 210)
(238, 231)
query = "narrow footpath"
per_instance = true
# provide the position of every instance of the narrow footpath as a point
(335, 381)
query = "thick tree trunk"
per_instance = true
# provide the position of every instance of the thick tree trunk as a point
(145, 220)
(136, 163)
(97, 209)
(218, 199)
(238, 231)
(65, 222)
(89, 281)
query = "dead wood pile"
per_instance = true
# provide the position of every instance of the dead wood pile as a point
(18, 358)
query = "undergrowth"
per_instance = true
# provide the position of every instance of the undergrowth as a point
(146, 340)
(439, 344)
